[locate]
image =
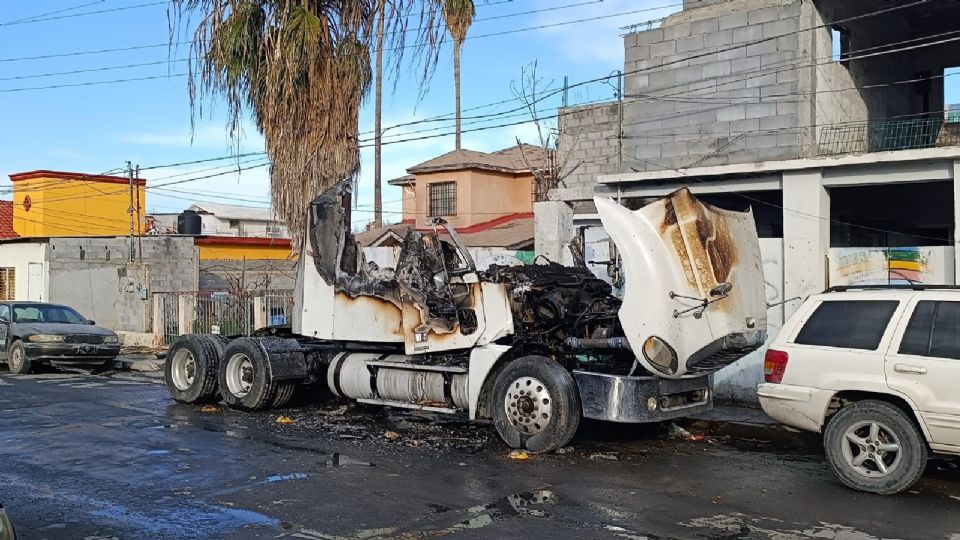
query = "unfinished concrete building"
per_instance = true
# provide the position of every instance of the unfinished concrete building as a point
(827, 117)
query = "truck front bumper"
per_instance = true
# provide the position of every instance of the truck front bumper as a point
(618, 398)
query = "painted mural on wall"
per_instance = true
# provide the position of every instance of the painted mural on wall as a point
(892, 266)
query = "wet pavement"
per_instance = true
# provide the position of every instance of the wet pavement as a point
(102, 457)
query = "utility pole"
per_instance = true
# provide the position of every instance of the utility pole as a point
(139, 231)
(130, 210)
(377, 196)
(619, 121)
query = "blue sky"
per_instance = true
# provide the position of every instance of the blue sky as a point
(97, 128)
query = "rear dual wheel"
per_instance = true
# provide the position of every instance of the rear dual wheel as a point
(536, 405)
(246, 380)
(190, 370)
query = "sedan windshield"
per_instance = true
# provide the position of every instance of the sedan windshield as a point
(42, 313)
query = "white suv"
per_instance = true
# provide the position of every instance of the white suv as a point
(877, 371)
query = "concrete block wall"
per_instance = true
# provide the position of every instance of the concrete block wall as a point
(271, 275)
(95, 276)
(692, 96)
(589, 138)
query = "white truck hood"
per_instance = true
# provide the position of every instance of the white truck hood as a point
(693, 281)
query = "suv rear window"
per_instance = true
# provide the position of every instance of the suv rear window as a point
(848, 324)
(933, 330)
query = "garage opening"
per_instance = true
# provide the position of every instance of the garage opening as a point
(892, 215)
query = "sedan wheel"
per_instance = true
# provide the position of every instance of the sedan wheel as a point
(17, 359)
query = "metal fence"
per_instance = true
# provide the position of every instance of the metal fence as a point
(222, 313)
(887, 135)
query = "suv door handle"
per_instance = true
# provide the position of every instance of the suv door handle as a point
(906, 368)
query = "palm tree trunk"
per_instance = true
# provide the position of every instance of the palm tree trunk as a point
(456, 84)
(377, 195)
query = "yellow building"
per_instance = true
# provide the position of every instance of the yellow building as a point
(232, 248)
(56, 204)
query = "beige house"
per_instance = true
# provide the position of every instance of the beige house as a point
(486, 196)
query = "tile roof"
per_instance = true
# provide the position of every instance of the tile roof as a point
(508, 160)
(6, 221)
(514, 231)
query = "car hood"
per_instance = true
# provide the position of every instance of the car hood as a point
(59, 329)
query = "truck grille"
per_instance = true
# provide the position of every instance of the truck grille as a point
(89, 339)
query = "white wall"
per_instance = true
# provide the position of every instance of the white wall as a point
(738, 382)
(19, 256)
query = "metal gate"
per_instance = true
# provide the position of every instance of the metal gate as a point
(218, 313)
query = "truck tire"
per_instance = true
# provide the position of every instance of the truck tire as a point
(246, 381)
(284, 393)
(17, 359)
(873, 446)
(535, 404)
(190, 370)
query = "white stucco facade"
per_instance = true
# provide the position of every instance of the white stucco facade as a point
(31, 272)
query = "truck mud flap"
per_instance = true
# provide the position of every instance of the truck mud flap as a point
(617, 398)
(286, 358)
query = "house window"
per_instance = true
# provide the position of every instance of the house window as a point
(840, 42)
(443, 199)
(234, 223)
(7, 279)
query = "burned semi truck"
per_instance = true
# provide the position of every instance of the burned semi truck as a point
(533, 348)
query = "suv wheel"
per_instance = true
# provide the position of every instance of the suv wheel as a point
(873, 446)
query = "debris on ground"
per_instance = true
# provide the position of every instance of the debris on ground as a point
(606, 456)
(566, 450)
(209, 408)
(391, 435)
(285, 420)
(677, 432)
(336, 412)
(519, 455)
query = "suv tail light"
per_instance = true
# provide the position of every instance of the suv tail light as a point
(774, 365)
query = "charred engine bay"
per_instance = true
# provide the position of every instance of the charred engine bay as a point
(555, 307)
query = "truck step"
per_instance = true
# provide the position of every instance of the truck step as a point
(416, 367)
(407, 405)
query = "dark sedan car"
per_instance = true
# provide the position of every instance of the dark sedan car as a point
(32, 333)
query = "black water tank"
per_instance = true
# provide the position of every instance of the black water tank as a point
(188, 222)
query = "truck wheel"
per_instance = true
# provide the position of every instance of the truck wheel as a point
(17, 359)
(190, 370)
(873, 446)
(245, 379)
(535, 404)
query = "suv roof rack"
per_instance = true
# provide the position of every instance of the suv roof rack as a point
(915, 287)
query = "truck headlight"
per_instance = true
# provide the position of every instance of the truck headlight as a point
(660, 354)
(111, 340)
(45, 338)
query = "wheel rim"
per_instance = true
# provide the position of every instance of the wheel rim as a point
(183, 369)
(529, 405)
(239, 373)
(16, 359)
(871, 449)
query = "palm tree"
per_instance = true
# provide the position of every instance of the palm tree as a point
(458, 15)
(301, 69)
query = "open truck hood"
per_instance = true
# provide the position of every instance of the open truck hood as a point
(694, 290)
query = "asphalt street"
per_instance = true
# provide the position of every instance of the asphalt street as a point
(102, 457)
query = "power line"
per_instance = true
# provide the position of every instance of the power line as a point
(152, 46)
(72, 15)
(480, 36)
(88, 4)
